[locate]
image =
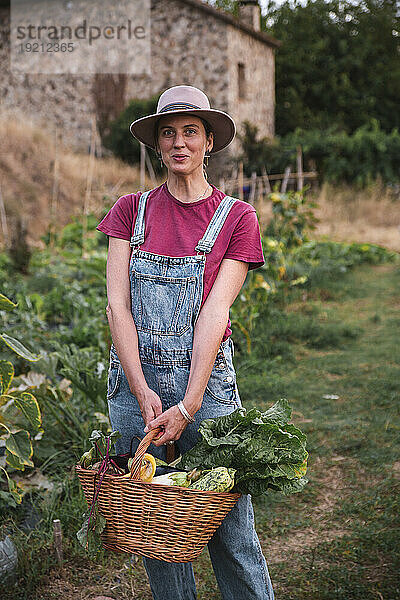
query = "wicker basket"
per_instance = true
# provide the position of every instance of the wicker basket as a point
(158, 521)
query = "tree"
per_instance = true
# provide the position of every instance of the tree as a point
(339, 63)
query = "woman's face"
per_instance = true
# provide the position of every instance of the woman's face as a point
(182, 142)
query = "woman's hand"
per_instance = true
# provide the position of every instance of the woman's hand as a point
(173, 423)
(150, 405)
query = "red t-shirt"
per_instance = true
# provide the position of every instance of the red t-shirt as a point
(173, 228)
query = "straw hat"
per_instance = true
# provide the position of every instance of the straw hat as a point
(190, 100)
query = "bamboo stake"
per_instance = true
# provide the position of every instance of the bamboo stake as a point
(300, 178)
(285, 180)
(58, 541)
(54, 193)
(89, 181)
(240, 180)
(260, 195)
(142, 165)
(265, 180)
(3, 218)
(253, 188)
(275, 177)
(233, 181)
(150, 168)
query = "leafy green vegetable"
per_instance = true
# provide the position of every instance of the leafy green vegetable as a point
(266, 451)
(99, 440)
(97, 526)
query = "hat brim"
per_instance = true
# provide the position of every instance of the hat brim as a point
(221, 123)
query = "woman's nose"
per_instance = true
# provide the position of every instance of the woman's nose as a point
(179, 140)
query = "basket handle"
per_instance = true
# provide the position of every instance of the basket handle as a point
(141, 450)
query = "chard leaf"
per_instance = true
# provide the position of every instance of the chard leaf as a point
(98, 437)
(279, 413)
(270, 444)
(266, 451)
(257, 487)
(206, 458)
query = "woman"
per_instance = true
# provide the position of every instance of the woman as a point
(168, 311)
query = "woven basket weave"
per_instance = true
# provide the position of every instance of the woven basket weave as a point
(158, 521)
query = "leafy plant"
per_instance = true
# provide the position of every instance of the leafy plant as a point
(94, 522)
(320, 68)
(17, 441)
(292, 218)
(266, 451)
(367, 154)
(120, 142)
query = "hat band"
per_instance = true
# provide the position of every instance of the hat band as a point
(178, 105)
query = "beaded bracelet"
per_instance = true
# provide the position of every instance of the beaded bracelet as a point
(184, 412)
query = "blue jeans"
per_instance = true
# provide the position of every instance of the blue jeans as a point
(239, 565)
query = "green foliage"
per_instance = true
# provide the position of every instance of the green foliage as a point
(121, 142)
(78, 234)
(19, 251)
(359, 158)
(338, 64)
(16, 439)
(266, 452)
(258, 153)
(291, 260)
(229, 6)
(323, 261)
(292, 217)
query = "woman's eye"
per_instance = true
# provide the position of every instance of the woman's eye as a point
(169, 132)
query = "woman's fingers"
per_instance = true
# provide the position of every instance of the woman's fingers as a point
(150, 406)
(172, 423)
(158, 409)
(157, 422)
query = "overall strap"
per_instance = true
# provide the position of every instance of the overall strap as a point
(215, 225)
(137, 238)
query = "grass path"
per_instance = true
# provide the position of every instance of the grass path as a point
(339, 539)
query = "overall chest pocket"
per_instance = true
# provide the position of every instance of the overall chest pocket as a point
(162, 305)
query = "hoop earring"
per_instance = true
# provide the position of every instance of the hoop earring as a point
(205, 164)
(159, 156)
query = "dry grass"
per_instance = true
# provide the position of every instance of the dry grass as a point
(27, 156)
(27, 160)
(371, 215)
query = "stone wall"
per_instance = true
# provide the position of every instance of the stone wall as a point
(189, 46)
(64, 101)
(258, 106)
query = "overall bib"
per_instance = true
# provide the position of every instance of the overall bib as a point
(166, 294)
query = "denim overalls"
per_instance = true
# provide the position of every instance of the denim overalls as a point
(166, 294)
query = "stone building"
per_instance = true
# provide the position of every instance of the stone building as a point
(192, 43)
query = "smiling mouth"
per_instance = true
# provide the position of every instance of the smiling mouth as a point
(179, 156)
